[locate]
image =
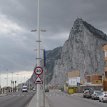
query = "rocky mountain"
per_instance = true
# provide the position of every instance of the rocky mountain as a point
(52, 56)
(82, 51)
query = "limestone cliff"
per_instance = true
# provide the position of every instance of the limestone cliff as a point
(82, 51)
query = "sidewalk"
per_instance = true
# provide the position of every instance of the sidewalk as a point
(33, 102)
(1, 95)
(77, 94)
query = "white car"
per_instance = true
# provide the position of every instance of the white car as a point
(96, 94)
(34, 89)
(103, 97)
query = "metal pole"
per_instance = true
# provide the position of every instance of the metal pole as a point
(0, 84)
(38, 56)
(0, 79)
(7, 79)
(44, 88)
(44, 77)
(17, 81)
(12, 82)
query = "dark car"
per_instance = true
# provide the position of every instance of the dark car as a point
(46, 90)
(87, 93)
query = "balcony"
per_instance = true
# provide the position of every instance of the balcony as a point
(106, 58)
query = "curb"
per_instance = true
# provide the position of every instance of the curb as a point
(32, 103)
(77, 94)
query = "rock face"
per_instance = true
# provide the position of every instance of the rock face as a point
(82, 51)
(52, 56)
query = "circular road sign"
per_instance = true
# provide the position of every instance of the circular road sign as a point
(38, 70)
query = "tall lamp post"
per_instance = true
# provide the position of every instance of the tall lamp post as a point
(12, 82)
(38, 55)
(17, 81)
(38, 51)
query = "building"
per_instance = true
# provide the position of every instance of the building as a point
(94, 79)
(105, 68)
(73, 78)
(105, 58)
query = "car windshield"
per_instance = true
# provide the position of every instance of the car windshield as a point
(98, 92)
(24, 87)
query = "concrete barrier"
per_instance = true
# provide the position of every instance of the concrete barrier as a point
(32, 103)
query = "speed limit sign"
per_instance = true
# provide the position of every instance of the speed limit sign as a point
(38, 70)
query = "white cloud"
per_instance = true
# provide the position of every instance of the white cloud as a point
(9, 27)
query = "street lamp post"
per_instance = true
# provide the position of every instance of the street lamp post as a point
(17, 81)
(38, 55)
(38, 51)
(7, 77)
(12, 82)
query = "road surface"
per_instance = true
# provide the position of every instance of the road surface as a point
(59, 99)
(16, 100)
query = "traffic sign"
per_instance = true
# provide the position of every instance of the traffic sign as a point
(38, 80)
(38, 70)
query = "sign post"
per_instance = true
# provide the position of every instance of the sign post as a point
(38, 71)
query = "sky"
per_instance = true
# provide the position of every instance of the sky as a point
(19, 17)
(19, 77)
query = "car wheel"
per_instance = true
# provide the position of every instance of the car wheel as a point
(103, 101)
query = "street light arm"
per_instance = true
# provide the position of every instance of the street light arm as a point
(33, 30)
(42, 30)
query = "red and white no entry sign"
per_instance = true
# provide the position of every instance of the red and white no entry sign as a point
(38, 70)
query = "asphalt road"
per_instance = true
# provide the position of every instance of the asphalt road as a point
(59, 99)
(16, 100)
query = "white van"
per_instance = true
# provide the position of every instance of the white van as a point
(24, 88)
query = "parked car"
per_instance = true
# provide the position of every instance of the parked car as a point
(34, 89)
(103, 97)
(46, 90)
(96, 94)
(91, 89)
(87, 93)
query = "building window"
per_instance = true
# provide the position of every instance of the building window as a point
(106, 74)
(105, 53)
